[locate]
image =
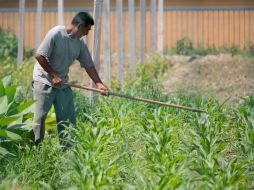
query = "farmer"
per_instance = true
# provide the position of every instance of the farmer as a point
(60, 47)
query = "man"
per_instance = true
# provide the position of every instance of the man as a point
(56, 53)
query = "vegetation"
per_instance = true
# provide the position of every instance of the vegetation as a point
(14, 117)
(122, 144)
(185, 47)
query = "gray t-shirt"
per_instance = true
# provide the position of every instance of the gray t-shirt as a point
(61, 50)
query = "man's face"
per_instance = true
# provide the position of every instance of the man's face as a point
(83, 29)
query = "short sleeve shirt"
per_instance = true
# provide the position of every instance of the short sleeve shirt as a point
(61, 50)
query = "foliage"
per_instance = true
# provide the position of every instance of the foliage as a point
(43, 165)
(21, 76)
(8, 44)
(14, 116)
(122, 144)
(184, 46)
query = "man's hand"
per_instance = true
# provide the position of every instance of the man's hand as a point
(102, 88)
(56, 80)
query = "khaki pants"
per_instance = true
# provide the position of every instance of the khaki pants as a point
(45, 97)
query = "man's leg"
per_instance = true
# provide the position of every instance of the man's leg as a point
(44, 97)
(65, 113)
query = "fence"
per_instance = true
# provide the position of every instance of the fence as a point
(204, 26)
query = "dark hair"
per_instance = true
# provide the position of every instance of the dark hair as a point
(83, 18)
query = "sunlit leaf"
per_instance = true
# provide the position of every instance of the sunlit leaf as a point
(25, 107)
(7, 81)
(10, 92)
(3, 104)
(8, 120)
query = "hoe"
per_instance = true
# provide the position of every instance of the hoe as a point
(109, 93)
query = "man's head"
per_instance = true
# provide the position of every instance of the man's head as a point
(82, 23)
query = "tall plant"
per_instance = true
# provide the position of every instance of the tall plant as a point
(15, 117)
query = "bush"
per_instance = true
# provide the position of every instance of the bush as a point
(15, 117)
(184, 47)
(8, 44)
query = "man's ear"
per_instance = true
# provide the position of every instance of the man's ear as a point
(79, 25)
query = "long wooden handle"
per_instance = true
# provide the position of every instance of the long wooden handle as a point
(137, 98)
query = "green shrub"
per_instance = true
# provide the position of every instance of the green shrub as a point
(15, 117)
(184, 47)
(8, 44)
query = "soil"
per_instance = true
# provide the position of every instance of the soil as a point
(221, 76)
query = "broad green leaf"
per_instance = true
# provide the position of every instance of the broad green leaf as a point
(25, 107)
(4, 151)
(13, 136)
(50, 123)
(8, 120)
(17, 122)
(3, 104)
(10, 92)
(3, 134)
(7, 81)
(2, 89)
(28, 116)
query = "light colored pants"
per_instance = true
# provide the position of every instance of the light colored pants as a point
(45, 97)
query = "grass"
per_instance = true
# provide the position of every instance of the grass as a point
(122, 144)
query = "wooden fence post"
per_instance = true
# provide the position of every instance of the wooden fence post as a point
(160, 26)
(60, 13)
(96, 42)
(132, 50)
(21, 31)
(38, 23)
(153, 27)
(106, 39)
(120, 48)
(142, 30)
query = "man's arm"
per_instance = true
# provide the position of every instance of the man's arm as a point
(91, 71)
(56, 80)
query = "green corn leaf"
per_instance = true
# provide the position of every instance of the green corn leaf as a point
(3, 104)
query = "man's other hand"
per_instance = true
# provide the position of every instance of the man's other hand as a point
(102, 88)
(56, 80)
